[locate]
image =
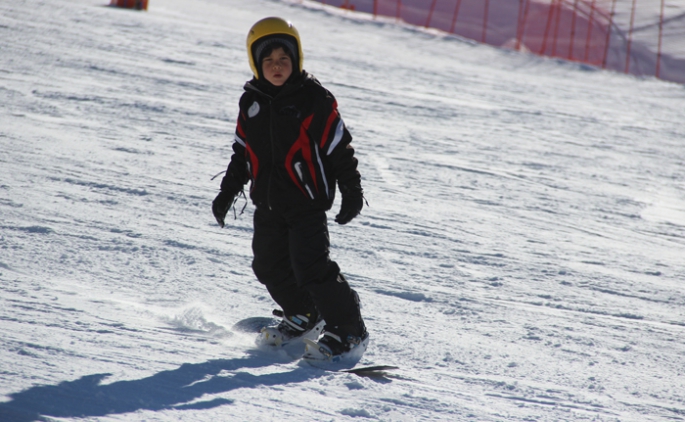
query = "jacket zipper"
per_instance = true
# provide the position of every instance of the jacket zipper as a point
(273, 155)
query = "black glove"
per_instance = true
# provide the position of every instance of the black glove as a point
(222, 203)
(352, 203)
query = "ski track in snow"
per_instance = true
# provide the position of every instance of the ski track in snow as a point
(521, 257)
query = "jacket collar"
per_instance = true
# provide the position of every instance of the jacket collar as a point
(270, 91)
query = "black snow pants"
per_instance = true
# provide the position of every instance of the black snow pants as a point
(291, 258)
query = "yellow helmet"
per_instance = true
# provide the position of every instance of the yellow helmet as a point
(265, 28)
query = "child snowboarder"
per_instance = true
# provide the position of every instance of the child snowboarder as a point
(292, 145)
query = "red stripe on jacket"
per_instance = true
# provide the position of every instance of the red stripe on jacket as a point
(302, 144)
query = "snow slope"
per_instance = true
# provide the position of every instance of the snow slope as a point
(521, 258)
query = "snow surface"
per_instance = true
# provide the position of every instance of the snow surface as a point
(521, 258)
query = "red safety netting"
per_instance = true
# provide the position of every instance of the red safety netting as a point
(130, 4)
(642, 37)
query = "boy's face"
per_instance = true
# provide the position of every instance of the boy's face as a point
(277, 67)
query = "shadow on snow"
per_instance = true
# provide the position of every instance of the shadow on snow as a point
(175, 389)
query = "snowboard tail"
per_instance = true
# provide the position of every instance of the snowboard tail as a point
(371, 371)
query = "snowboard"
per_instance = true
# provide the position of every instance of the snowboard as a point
(371, 371)
(253, 324)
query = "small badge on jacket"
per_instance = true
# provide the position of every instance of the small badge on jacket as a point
(253, 110)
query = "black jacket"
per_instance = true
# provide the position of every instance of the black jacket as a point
(292, 144)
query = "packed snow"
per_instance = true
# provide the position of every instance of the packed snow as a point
(521, 257)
